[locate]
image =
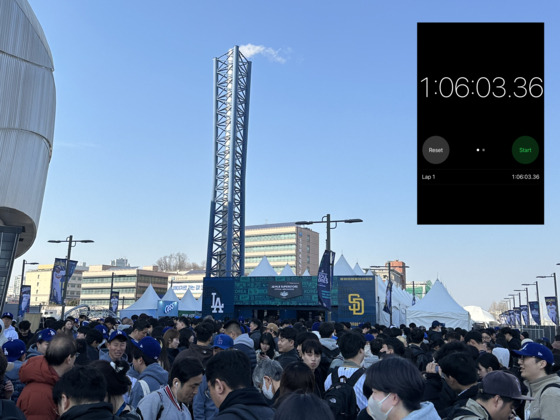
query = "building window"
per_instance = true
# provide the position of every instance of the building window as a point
(308, 248)
(308, 238)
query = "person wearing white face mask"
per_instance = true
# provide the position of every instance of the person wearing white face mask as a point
(266, 377)
(397, 387)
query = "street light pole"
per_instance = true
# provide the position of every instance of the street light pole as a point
(71, 242)
(527, 292)
(553, 275)
(536, 284)
(327, 219)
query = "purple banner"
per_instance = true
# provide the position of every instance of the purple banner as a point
(59, 277)
(24, 300)
(511, 317)
(535, 312)
(114, 305)
(324, 279)
(552, 308)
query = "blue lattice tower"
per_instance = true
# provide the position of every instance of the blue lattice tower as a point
(226, 237)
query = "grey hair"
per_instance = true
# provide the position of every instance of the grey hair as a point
(266, 367)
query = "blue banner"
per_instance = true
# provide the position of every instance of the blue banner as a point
(24, 300)
(167, 308)
(324, 279)
(525, 314)
(552, 308)
(114, 302)
(59, 277)
(535, 312)
(517, 313)
(511, 318)
(388, 297)
(218, 297)
(356, 299)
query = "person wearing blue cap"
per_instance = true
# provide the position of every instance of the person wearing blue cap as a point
(536, 366)
(116, 347)
(44, 337)
(9, 331)
(14, 350)
(151, 376)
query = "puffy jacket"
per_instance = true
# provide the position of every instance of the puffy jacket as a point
(245, 344)
(245, 404)
(36, 399)
(546, 404)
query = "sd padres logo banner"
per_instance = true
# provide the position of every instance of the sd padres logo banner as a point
(356, 299)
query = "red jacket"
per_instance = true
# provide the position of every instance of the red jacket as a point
(36, 399)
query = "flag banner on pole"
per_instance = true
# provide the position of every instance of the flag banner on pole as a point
(511, 317)
(413, 300)
(535, 312)
(388, 297)
(552, 308)
(324, 279)
(517, 313)
(59, 277)
(114, 306)
(503, 318)
(24, 300)
(525, 314)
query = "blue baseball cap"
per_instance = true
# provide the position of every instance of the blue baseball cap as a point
(46, 335)
(149, 346)
(14, 349)
(120, 334)
(8, 315)
(536, 350)
(223, 341)
(104, 330)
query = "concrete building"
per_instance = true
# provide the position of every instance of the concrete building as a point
(131, 283)
(190, 280)
(40, 281)
(397, 272)
(282, 243)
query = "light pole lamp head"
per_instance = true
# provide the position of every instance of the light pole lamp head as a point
(353, 221)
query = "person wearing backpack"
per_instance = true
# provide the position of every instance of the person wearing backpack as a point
(338, 395)
(544, 385)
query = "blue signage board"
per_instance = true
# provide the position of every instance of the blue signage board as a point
(356, 299)
(167, 308)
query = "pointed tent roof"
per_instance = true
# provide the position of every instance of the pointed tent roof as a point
(170, 296)
(342, 268)
(264, 269)
(189, 304)
(147, 303)
(480, 315)
(287, 271)
(358, 270)
(306, 273)
(439, 305)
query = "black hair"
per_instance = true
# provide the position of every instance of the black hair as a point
(24, 325)
(488, 360)
(326, 329)
(449, 348)
(81, 384)
(416, 335)
(304, 336)
(187, 368)
(140, 325)
(312, 346)
(397, 375)
(204, 331)
(267, 338)
(232, 367)
(184, 337)
(257, 322)
(395, 344)
(350, 344)
(460, 366)
(297, 376)
(117, 380)
(315, 408)
(288, 333)
(233, 326)
(60, 347)
(473, 335)
(452, 335)
(375, 346)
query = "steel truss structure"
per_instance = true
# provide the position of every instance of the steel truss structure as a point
(226, 238)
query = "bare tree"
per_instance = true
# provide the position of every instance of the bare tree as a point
(177, 261)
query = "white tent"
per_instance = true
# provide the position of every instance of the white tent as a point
(264, 269)
(481, 316)
(342, 268)
(189, 304)
(400, 301)
(358, 270)
(170, 296)
(439, 305)
(287, 271)
(147, 304)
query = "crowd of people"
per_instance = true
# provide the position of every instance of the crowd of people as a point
(203, 369)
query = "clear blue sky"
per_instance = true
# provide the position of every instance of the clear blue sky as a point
(332, 130)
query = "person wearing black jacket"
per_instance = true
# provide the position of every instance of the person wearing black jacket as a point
(286, 347)
(231, 388)
(460, 373)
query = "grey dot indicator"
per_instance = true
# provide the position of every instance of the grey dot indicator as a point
(435, 150)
